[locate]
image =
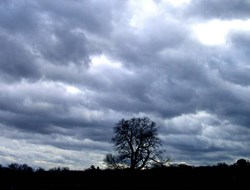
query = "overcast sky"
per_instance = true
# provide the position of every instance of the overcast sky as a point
(71, 69)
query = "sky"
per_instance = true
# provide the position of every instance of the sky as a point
(71, 69)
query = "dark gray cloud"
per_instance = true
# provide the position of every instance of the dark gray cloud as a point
(19, 17)
(221, 9)
(71, 69)
(51, 32)
(148, 41)
(16, 61)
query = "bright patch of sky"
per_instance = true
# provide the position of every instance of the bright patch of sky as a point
(103, 65)
(214, 32)
(103, 61)
(72, 89)
(141, 11)
(176, 3)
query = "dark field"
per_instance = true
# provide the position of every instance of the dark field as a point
(159, 178)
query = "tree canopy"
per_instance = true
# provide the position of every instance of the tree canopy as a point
(136, 144)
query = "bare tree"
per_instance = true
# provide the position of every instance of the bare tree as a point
(136, 144)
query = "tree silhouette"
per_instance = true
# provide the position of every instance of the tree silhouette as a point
(20, 167)
(242, 163)
(136, 144)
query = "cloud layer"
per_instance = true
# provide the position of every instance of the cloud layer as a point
(70, 70)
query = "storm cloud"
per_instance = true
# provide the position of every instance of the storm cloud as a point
(70, 70)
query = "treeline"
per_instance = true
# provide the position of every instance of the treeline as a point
(22, 176)
(16, 167)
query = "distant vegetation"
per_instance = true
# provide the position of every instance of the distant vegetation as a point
(22, 176)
